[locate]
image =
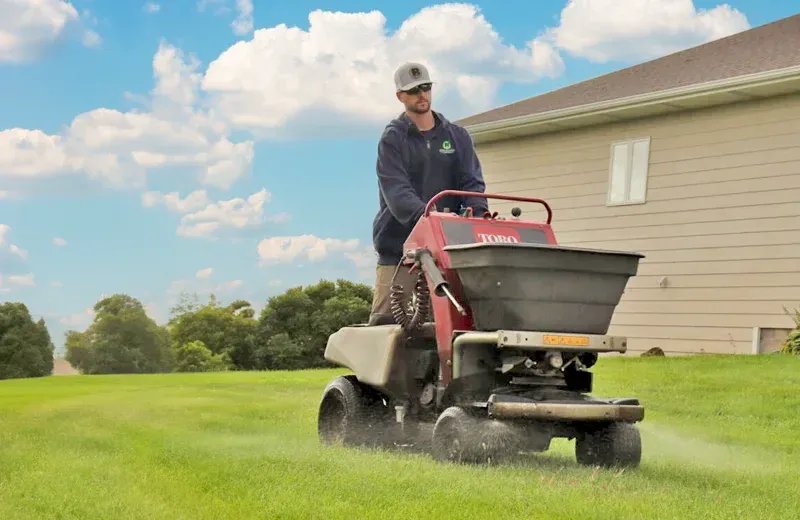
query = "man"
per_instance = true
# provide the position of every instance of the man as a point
(420, 153)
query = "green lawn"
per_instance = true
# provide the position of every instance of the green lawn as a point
(721, 439)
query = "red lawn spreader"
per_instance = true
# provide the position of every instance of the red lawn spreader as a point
(501, 364)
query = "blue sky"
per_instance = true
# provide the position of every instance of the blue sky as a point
(113, 113)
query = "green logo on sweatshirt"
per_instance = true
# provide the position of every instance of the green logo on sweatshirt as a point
(447, 147)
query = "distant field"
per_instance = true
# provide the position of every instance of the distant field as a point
(721, 440)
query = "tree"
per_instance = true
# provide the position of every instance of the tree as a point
(229, 330)
(293, 328)
(280, 352)
(290, 333)
(196, 357)
(26, 349)
(122, 339)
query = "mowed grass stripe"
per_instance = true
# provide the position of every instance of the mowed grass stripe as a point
(719, 441)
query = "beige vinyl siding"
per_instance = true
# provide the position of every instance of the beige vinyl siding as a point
(721, 220)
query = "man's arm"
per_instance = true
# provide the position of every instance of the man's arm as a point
(393, 181)
(471, 178)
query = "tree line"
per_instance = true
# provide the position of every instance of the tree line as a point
(290, 333)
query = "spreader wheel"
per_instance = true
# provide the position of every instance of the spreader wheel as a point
(615, 445)
(451, 440)
(460, 437)
(351, 414)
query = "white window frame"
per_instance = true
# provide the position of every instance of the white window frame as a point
(628, 174)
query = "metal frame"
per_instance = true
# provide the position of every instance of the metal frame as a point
(566, 411)
(561, 341)
(536, 340)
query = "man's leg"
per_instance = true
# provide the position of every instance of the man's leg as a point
(381, 305)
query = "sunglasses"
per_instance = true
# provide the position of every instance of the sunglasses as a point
(425, 87)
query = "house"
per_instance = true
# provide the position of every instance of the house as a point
(692, 159)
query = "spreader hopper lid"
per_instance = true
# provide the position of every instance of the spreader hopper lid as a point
(535, 257)
(526, 245)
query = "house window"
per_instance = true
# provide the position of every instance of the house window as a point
(627, 182)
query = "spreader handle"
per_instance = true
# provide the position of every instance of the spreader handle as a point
(487, 196)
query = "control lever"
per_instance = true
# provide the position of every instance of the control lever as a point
(441, 287)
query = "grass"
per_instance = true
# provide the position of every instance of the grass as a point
(720, 441)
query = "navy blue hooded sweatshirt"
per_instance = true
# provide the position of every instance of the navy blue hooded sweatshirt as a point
(414, 166)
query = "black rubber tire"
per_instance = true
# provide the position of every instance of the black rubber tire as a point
(615, 445)
(352, 414)
(451, 440)
(461, 437)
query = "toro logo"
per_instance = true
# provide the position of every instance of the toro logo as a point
(494, 235)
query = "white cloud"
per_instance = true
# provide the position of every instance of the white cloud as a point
(200, 229)
(15, 249)
(91, 39)
(203, 287)
(243, 24)
(119, 148)
(193, 201)
(343, 66)
(27, 27)
(152, 7)
(289, 248)
(204, 273)
(228, 286)
(365, 261)
(234, 213)
(284, 81)
(57, 284)
(26, 280)
(203, 218)
(79, 320)
(20, 280)
(60, 242)
(603, 30)
(366, 257)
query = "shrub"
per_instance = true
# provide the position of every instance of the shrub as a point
(792, 343)
(194, 356)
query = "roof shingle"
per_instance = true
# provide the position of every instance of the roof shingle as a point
(768, 47)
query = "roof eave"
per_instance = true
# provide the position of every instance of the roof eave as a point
(748, 87)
